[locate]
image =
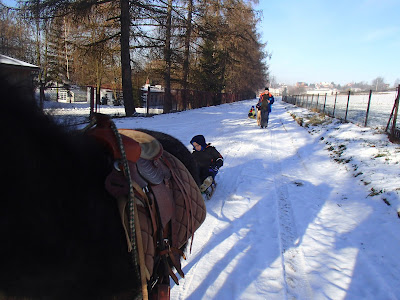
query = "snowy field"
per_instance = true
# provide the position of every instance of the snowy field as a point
(300, 212)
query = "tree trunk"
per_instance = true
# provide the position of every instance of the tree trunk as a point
(98, 81)
(167, 55)
(187, 52)
(66, 47)
(126, 59)
(38, 58)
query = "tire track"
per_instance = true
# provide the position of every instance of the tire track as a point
(293, 262)
(216, 207)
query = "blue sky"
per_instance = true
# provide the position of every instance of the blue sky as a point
(324, 40)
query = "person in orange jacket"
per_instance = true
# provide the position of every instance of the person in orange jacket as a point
(264, 108)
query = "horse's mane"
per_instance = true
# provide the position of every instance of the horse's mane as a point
(61, 235)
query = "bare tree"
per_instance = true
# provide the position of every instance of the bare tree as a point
(16, 36)
(165, 41)
(167, 57)
(379, 84)
(59, 9)
(186, 58)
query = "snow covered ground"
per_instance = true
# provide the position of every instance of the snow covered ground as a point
(300, 212)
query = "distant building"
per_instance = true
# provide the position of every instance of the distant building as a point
(276, 91)
(156, 95)
(301, 84)
(19, 73)
(324, 85)
(321, 91)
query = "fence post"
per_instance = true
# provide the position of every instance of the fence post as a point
(395, 113)
(148, 101)
(391, 115)
(317, 101)
(334, 105)
(325, 102)
(369, 103)
(91, 95)
(312, 98)
(41, 94)
(347, 107)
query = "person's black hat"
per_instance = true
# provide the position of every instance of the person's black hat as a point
(266, 88)
(199, 139)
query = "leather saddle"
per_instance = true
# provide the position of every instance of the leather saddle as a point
(170, 207)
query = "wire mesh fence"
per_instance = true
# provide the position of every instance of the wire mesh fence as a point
(373, 109)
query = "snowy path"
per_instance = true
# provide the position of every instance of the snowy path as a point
(286, 221)
(297, 285)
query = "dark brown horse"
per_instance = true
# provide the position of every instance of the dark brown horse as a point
(60, 229)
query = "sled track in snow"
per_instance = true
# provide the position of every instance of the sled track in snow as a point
(293, 264)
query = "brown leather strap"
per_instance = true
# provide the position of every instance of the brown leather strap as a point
(165, 202)
(173, 253)
(147, 202)
(144, 273)
(122, 201)
(188, 202)
(163, 292)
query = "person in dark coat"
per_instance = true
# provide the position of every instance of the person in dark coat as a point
(264, 108)
(208, 160)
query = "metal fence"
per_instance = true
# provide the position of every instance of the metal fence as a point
(190, 99)
(180, 99)
(373, 109)
(67, 96)
(185, 99)
(147, 102)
